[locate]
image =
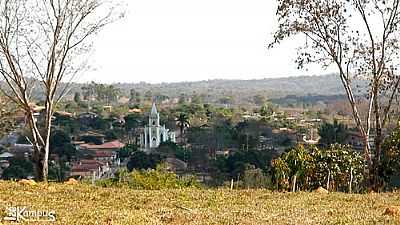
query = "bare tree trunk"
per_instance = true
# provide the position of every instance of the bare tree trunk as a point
(46, 147)
(294, 183)
(350, 96)
(328, 181)
(370, 54)
(351, 180)
(38, 164)
(40, 41)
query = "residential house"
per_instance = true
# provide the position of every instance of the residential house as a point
(22, 150)
(5, 158)
(106, 152)
(89, 168)
(107, 146)
(88, 119)
(104, 156)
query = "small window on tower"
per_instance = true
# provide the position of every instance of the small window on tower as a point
(154, 123)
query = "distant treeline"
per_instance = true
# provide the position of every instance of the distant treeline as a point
(308, 100)
(241, 92)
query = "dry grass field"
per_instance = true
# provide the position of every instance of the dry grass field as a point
(84, 204)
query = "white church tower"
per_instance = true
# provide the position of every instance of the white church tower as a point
(154, 134)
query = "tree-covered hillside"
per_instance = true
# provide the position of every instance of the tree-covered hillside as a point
(273, 88)
(231, 92)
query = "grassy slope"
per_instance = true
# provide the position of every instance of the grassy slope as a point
(84, 204)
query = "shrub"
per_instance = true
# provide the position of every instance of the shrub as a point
(254, 178)
(157, 179)
(18, 169)
(149, 179)
(140, 160)
(390, 164)
(106, 183)
(336, 168)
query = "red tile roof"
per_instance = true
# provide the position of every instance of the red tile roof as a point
(108, 145)
(103, 154)
(85, 167)
(90, 161)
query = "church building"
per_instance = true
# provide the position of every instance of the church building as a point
(154, 134)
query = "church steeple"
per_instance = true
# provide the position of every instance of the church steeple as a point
(153, 109)
(154, 118)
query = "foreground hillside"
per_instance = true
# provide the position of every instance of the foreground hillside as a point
(82, 204)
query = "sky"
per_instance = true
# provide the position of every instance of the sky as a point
(190, 40)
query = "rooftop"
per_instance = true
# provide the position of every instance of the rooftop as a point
(6, 155)
(108, 145)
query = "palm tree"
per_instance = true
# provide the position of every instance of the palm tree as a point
(182, 121)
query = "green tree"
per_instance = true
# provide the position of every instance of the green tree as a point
(182, 99)
(267, 110)
(18, 169)
(58, 171)
(111, 94)
(59, 138)
(133, 121)
(360, 38)
(148, 95)
(227, 100)
(111, 135)
(259, 99)
(171, 149)
(154, 179)
(7, 116)
(235, 165)
(254, 178)
(390, 165)
(77, 98)
(138, 98)
(57, 35)
(127, 151)
(60, 144)
(182, 121)
(337, 168)
(280, 173)
(335, 133)
(297, 161)
(132, 95)
(89, 90)
(141, 160)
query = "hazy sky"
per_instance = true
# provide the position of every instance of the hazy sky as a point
(186, 40)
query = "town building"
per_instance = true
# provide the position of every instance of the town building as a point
(105, 153)
(154, 134)
(89, 168)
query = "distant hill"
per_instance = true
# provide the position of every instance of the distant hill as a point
(271, 87)
(242, 91)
